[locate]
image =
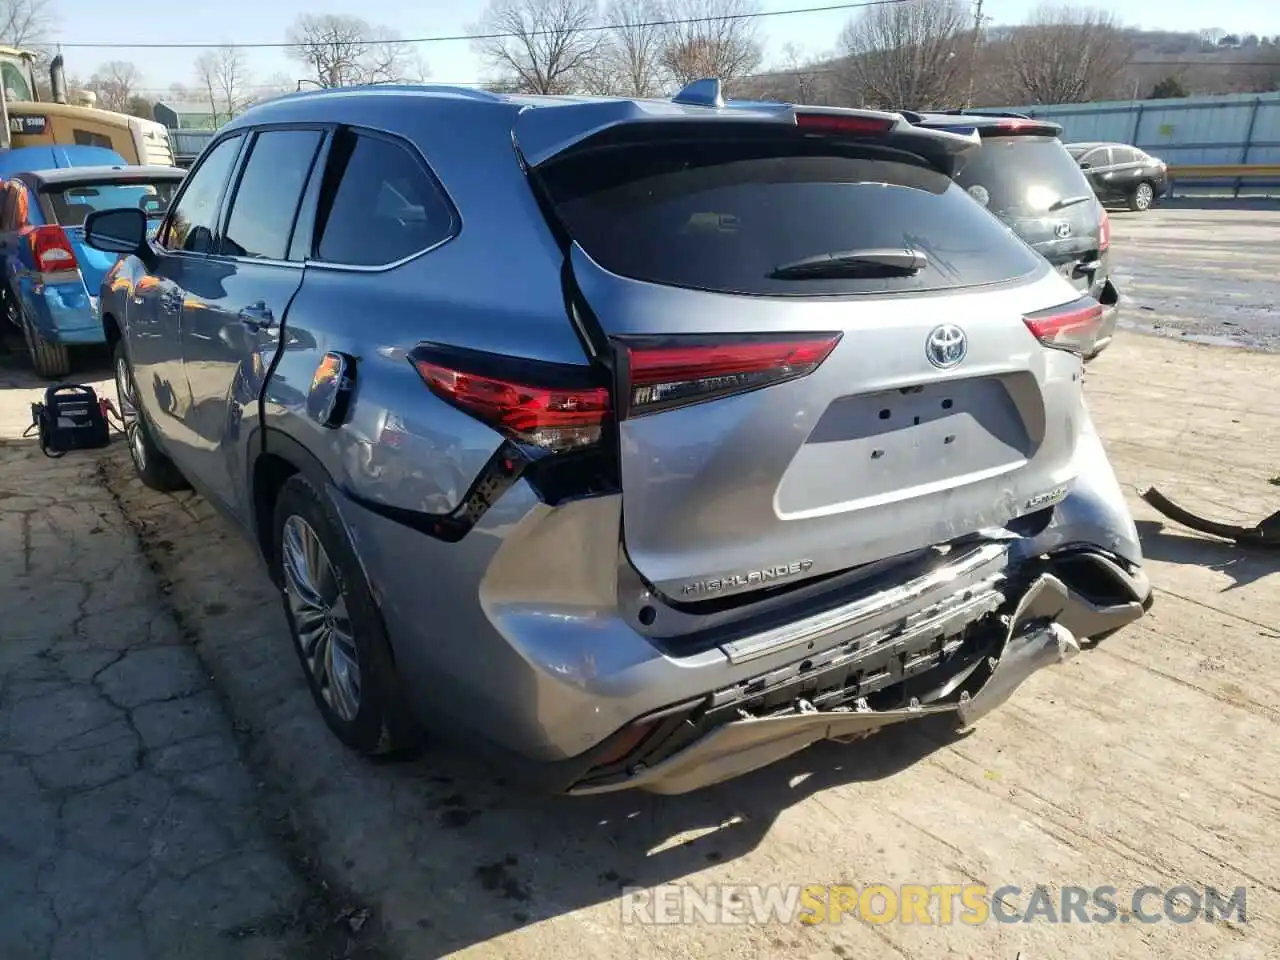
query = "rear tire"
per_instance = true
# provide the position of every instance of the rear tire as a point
(337, 628)
(1142, 197)
(153, 468)
(50, 360)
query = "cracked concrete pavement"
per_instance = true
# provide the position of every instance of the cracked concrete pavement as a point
(130, 826)
(1153, 759)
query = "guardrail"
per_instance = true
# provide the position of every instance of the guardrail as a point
(1237, 173)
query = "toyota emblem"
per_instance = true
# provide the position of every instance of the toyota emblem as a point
(1062, 229)
(946, 346)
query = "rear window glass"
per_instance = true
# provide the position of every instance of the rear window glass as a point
(73, 202)
(724, 215)
(1023, 176)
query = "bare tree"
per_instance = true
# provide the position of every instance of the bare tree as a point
(1068, 55)
(24, 23)
(276, 85)
(798, 78)
(224, 79)
(911, 55)
(629, 56)
(139, 106)
(114, 84)
(1209, 37)
(539, 46)
(1258, 73)
(340, 51)
(710, 38)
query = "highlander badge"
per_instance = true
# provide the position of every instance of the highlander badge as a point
(702, 588)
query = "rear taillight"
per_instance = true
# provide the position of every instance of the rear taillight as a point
(665, 373)
(1104, 233)
(548, 406)
(1072, 326)
(836, 124)
(51, 250)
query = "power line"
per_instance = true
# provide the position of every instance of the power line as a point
(601, 28)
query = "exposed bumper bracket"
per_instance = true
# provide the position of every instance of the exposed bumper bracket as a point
(1034, 638)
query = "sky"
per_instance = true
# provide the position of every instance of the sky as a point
(243, 21)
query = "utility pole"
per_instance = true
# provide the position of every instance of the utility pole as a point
(973, 53)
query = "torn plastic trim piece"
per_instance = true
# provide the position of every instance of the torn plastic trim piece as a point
(1266, 534)
(1032, 640)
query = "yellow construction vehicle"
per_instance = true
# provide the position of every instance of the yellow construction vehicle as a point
(27, 122)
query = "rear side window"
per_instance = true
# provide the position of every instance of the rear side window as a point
(723, 215)
(266, 201)
(385, 207)
(1023, 176)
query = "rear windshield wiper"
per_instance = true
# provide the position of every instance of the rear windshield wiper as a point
(1068, 202)
(887, 262)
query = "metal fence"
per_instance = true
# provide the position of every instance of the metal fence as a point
(1234, 128)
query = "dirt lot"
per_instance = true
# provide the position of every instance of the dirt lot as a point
(1152, 760)
(1197, 268)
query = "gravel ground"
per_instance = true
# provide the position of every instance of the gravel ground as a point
(1201, 269)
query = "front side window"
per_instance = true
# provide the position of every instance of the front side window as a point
(16, 88)
(386, 206)
(271, 186)
(193, 226)
(89, 138)
(73, 202)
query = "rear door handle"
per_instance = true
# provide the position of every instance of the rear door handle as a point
(257, 315)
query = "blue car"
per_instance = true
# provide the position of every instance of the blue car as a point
(50, 277)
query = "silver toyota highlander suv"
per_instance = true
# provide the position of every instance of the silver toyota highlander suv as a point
(648, 441)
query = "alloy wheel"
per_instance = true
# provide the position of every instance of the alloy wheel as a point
(1142, 196)
(322, 627)
(129, 414)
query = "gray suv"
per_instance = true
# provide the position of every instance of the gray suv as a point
(645, 442)
(1027, 177)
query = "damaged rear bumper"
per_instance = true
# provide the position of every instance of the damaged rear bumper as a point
(966, 676)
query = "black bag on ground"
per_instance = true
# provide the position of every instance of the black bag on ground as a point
(71, 418)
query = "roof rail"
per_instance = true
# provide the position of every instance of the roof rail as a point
(701, 93)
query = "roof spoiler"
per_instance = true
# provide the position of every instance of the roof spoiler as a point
(543, 132)
(967, 112)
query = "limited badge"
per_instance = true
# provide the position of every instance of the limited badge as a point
(331, 389)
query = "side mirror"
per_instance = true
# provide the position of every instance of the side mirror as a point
(117, 231)
(1086, 166)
